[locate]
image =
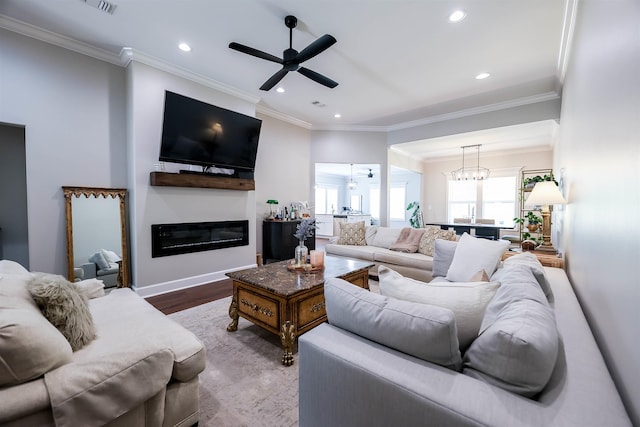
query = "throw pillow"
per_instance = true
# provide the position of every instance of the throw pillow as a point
(442, 256)
(65, 307)
(424, 331)
(480, 276)
(385, 237)
(110, 256)
(91, 288)
(408, 240)
(431, 234)
(352, 233)
(99, 260)
(12, 267)
(29, 345)
(473, 254)
(467, 300)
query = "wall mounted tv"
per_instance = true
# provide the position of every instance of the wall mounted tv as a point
(197, 133)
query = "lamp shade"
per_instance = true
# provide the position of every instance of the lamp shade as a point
(545, 193)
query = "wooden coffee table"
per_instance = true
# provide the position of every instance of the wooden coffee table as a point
(289, 303)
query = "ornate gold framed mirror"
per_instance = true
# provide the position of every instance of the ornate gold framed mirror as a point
(97, 232)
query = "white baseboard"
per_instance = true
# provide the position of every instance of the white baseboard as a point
(187, 282)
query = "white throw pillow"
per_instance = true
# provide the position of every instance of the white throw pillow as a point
(467, 300)
(110, 256)
(474, 254)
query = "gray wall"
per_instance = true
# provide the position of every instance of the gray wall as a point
(14, 236)
(599, 151)
(73, 111)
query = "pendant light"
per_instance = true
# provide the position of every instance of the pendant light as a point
(352, 184)
(467, 173)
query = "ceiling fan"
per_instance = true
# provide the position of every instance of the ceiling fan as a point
(291, 58)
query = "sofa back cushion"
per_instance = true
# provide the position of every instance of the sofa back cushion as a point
(467, 300)
(424, 331)
(30, 346)
(385, 237)
(530, 260)
(518, 345)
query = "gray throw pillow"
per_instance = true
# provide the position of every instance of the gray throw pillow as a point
(530, 260)
(65, 307)
(99, 260)
(421, 330)
(443, 256)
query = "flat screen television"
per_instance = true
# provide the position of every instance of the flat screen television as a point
(197, 133)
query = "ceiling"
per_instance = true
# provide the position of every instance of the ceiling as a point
(396, 61)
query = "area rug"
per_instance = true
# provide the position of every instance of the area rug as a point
(244, 383)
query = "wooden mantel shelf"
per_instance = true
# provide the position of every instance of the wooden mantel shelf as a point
(167, 179)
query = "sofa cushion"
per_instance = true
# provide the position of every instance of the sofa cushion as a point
(370, 232)
(414, 260)
(29, 344)
(530, 260)
(64, 306)
(366, 253)
(91, 288)
(352, 233)
(386, 236)
(467, 300)
(431, 234)
(443, 256)
(518, 343)
(424, 331)
(473, 254)
(408, 240)
(12, 267)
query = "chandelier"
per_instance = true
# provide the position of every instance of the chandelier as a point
(352, 184)
(470, 172)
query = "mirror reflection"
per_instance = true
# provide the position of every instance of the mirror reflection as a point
(97, 235)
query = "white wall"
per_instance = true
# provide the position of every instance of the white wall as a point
(73, 110)
(283, 169)
(599, 151)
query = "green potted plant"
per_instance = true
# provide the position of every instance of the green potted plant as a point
(530, 181)
(416, 215)
(533, 222)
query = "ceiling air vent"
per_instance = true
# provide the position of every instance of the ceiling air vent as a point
(104, 6)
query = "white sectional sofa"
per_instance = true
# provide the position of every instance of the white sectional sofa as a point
(141, 369)
(381, 361)
(417, 265)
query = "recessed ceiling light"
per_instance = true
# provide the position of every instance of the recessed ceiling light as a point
(482, 76)
(280, 90)
(184, 47)
(457, 16)
(337, 115)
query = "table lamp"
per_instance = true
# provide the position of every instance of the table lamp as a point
(545, 194)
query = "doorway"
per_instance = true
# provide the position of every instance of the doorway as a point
(14, 235)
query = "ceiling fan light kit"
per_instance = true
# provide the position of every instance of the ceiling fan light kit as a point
(291, 58)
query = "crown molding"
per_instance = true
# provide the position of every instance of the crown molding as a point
(56, 39)
(568, 28)
(280, 116)
(352, 128)
(477, 110)
(129, 54)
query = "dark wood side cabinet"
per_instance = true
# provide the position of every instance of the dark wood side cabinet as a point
(278, 241)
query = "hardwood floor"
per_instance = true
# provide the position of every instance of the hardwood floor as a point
(186, 298)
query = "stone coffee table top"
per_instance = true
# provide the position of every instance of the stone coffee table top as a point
(277, 278)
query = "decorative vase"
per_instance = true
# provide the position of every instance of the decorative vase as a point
(301, 254)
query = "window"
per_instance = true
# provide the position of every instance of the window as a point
(326, 199)
(374, 201)
(493, 198)
(397, 201)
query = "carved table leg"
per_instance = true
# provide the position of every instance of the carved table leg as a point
(233, 313)
(287, 337)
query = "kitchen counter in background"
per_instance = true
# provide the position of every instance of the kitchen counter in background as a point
(328, 223)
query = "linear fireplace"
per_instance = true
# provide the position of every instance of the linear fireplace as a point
(175, 239)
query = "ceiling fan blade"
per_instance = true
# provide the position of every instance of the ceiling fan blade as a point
(316, 77)
(318, 46)
(273, 80)
(254, 52)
